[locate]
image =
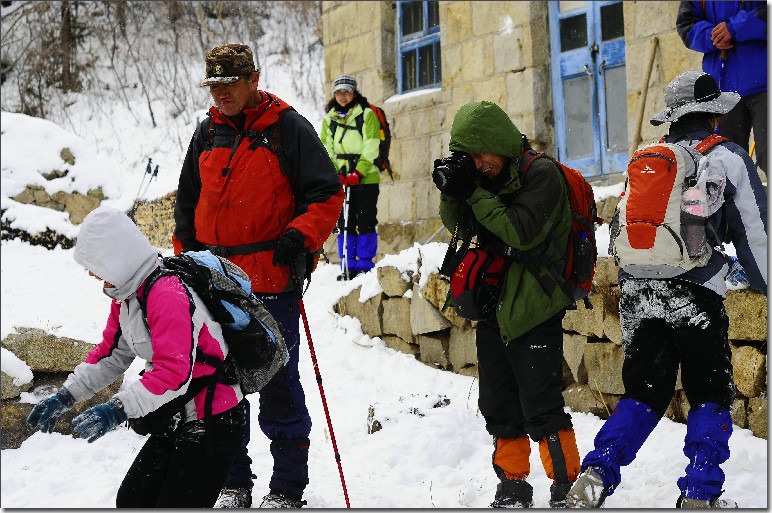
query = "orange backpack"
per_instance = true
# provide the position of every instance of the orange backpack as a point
(582, 252)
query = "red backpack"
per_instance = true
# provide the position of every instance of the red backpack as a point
(582, 252)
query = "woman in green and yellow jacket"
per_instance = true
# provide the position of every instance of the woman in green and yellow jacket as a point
(520, 350)
(351, 134)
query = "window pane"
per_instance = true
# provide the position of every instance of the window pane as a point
(434, 14)
(412, 18)
(612, 21)
(578, 117)
(437, 63)
(616, 108)
(408, 70)
(425, 66)
(573, 32)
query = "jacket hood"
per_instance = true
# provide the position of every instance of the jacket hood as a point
(111, 246)
(483, 127)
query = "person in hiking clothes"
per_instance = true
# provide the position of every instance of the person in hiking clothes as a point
(520, 351)
(682, 320)
(258, 188)
(733, 37)
(172, 469)
(351, 134)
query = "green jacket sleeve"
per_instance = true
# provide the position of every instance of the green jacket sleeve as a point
(371, 140)
(533, 214)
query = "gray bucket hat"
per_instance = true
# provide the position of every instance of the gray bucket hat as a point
(694, 91)
(225, 64)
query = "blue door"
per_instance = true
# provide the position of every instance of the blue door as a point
(589, 87)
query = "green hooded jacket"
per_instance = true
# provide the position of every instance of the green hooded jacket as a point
(348, 140)
(527, 213)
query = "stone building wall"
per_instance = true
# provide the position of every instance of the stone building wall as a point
(496, 51)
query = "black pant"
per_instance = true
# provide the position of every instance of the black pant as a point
(362, 209)
(750, 112)
(176, 472)
(521, 383)
(670, 322)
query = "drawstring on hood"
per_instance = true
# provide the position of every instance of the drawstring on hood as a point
(111, 246)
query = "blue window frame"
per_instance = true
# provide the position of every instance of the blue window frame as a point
(419, 63)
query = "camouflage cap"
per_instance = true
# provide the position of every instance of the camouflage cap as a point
(225, 64)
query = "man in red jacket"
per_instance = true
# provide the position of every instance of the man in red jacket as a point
(258, 188)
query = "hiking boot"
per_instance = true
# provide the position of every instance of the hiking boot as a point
(716, 502)
(588, 491)
(277, 500)
(239, 498)
(513, 493)
(558, 493)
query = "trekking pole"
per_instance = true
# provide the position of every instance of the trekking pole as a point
(148, 170)
(345, 234)
(154, 175)
(319, 381)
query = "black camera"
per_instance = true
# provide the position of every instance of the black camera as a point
(448, 170)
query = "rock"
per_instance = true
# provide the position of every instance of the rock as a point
(396, 343)
(369, 313)
(584, 321)
(739, 412)
(747, 311)
(573, 353)
(156, 219)
(396, 318)
(435, 290)
(44, 352)
(582, 398)
(8, 390)
(750, 370)
(757, 416)
(604, 367)
(424, 317)
(434, 349)
(392, 282)
(462, 348)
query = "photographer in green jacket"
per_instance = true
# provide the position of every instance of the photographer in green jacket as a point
(520, 350)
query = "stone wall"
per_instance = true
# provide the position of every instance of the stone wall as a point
(416, 324)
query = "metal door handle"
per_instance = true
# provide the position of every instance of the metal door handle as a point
(587, 70)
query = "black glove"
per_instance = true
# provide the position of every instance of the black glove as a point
(288, 248)
(455, 175)
(46, 413)
(96, 421)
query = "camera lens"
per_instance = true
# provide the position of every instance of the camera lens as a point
(440, 178)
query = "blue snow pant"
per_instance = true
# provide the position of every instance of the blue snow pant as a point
(666, 323)
(361, 238)
(283, 414)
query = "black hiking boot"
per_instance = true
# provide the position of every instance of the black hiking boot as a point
(558, 493)
(513, 493)
(277, 500)
(239, 498)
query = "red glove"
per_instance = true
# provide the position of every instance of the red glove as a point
(353, 178)
(342, 180)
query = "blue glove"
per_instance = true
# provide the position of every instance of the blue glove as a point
(96, 421)
(46, 413)
(736, 274)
